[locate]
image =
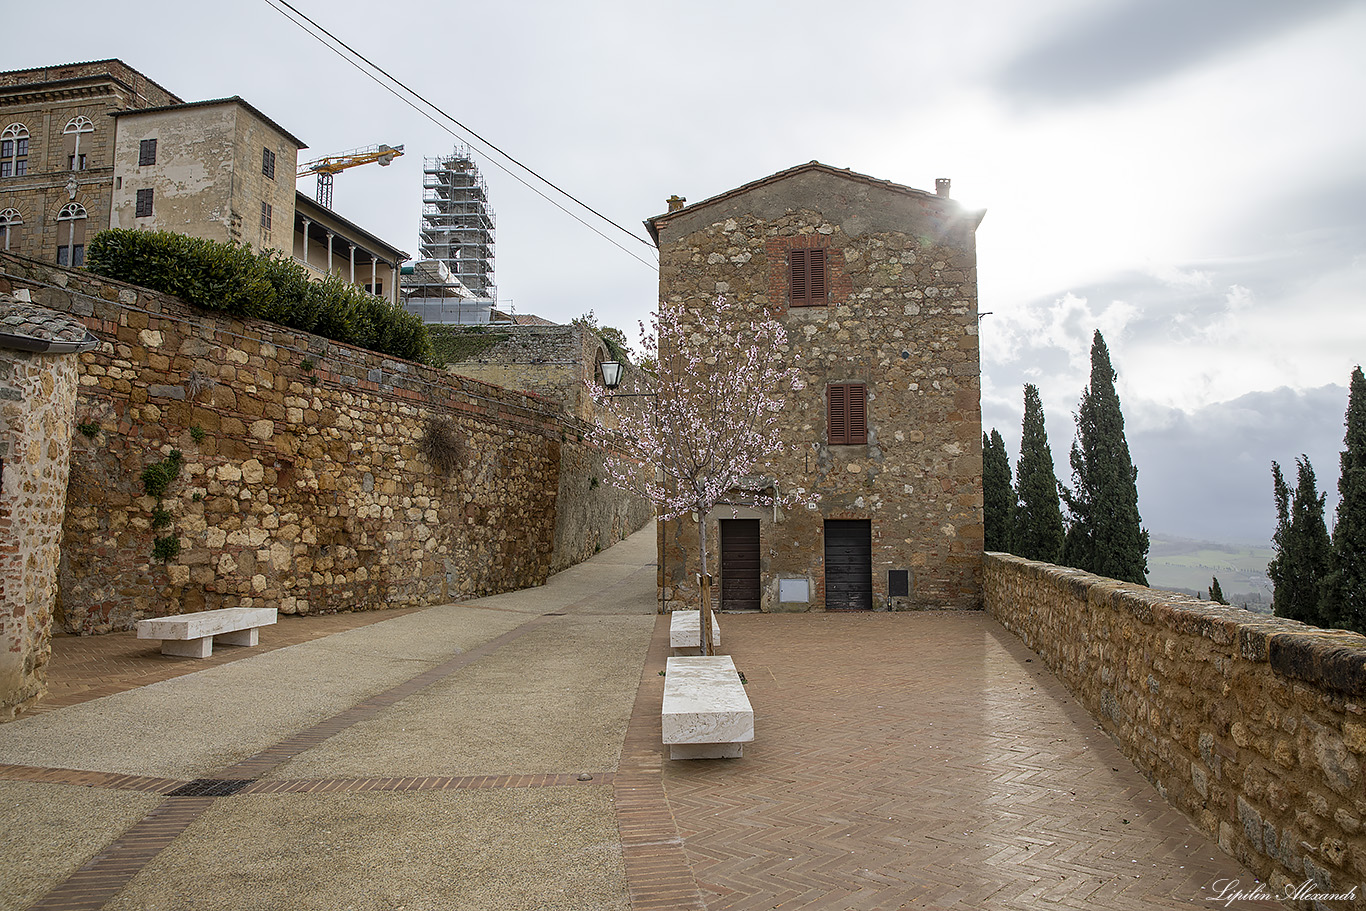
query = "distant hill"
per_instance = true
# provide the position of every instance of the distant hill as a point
(1187, 565)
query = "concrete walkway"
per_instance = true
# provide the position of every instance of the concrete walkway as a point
(504, 754)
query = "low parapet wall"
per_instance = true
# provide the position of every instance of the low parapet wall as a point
(1253, 726)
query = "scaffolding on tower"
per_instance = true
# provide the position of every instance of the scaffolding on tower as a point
(457, 223)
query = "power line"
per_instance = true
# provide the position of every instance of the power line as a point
(470, 133)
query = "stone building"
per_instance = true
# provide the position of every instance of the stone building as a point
(57, 152)
(875, 285)
(38, 388)
(89, 146)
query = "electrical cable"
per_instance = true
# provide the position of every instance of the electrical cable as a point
(443, 113)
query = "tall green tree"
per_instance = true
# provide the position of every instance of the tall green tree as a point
(1303, 550)
(1344, 591)
(1216, 593)
(998, 498)
(1038, 529)
(1105, 535)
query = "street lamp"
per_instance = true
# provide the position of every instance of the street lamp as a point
(611, 373)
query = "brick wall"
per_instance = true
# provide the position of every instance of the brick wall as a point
(303, 484)
(1254, 727)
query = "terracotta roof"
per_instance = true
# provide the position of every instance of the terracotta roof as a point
(530, 319)
(652, 224)
(28, 327)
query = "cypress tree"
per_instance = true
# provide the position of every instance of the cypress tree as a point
(1216, 593)
(998, 499)
(1105, 535)
(1344, 592)
(1302, 547)
(1038, 532)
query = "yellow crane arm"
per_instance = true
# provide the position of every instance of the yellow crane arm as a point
(331, 164)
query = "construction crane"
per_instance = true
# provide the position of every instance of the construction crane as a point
(327, 167)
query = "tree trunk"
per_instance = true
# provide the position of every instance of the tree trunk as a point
(704, 614)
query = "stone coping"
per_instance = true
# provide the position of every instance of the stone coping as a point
(1334, 659)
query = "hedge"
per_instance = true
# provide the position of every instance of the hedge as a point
(265, 285)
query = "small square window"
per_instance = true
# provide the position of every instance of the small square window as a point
(265, 215)
(147, 152)
(75, 162)
(268, 163)
(144, 206)
(71, 255)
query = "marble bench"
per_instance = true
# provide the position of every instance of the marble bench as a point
(193, 635)
(706, 712)
(685, 632)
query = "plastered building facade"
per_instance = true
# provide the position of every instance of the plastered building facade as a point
(219, 169)
(57, 152)
(876, 286)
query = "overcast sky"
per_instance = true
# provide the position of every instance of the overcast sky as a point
(1189, 176)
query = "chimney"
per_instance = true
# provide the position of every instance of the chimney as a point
(676, 202)
(941, 186)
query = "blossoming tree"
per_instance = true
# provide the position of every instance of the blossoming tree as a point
(722, 386)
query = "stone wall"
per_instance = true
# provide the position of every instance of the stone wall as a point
(552, 361)
(1254, 727)
(304, 483)
(37, 400)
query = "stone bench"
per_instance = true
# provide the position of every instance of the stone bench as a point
(193, 635)
(685, 632)
(706, 712)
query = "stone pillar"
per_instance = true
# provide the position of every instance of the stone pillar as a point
(307, 223)
(39, 373)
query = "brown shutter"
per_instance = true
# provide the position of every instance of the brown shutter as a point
(847, 413)
(836, 414)
(798, 292)
(816, 283)
(857, 397)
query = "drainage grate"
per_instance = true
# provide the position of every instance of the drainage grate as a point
(211, 787)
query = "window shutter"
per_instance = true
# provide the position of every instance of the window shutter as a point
(847, 413)
(837, 414)
(806, 277)
(858, 413)
(798, 292)
(816, 276)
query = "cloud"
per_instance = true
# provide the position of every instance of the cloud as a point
(1207, 474)
(1136, 42)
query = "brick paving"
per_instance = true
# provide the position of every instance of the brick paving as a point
(924, 761)
(901, 761)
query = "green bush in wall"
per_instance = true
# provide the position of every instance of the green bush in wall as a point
(267, 285)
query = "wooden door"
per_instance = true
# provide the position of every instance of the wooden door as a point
(848, 564)
(739, 564)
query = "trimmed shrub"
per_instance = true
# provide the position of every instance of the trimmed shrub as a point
(267, 285)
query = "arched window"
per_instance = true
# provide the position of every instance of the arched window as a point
(9, 229)
(14, 150)
(75, 158)
(71, 235)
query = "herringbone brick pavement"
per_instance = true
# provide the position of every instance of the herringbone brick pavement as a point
(924, 761)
